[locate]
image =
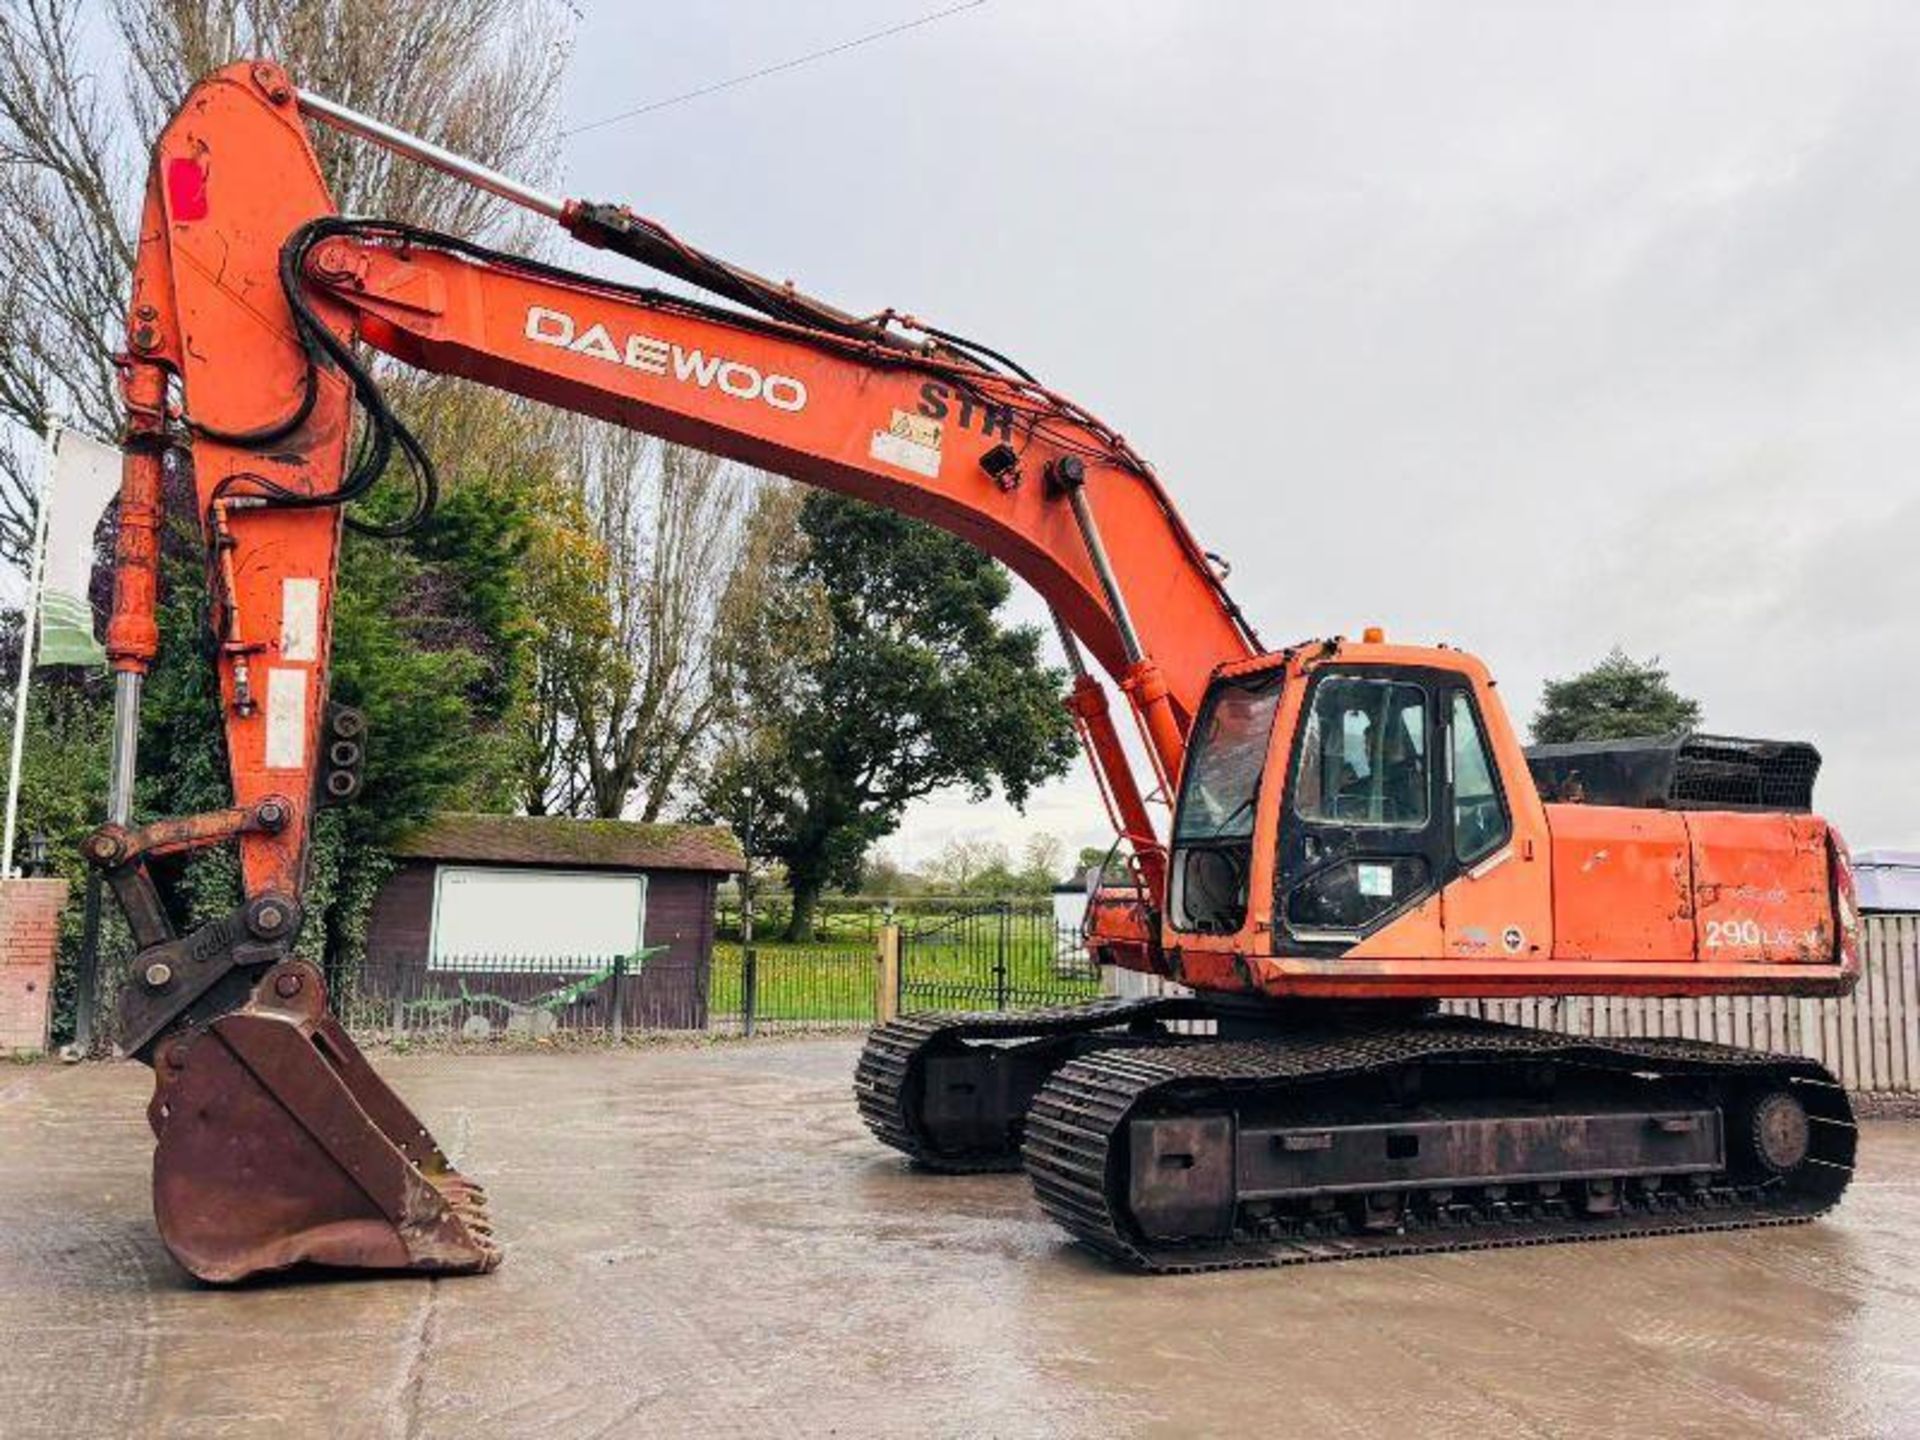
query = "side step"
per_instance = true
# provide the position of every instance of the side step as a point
(1447, 1134)
(951, 1090)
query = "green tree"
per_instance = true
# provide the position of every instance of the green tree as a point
(919, 686)
(1618, 698)
(63, 773)
(429, 643)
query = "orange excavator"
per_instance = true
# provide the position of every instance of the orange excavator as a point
(1354, 832)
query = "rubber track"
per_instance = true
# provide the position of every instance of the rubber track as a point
(883, 1080)
(1083, 1109)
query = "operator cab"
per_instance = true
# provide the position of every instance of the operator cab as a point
(1375, 766)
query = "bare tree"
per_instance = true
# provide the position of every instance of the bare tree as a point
(1043, 858)
(479, 76)
(962, 860)
(648, 553)
(671, 522)
(670, 641)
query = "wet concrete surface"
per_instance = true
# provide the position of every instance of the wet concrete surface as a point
(704, 1241)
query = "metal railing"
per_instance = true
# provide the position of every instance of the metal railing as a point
(737, 990)
(995, 956)
(758, 988)
(961, 955)
(482, 997)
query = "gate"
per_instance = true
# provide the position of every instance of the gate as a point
(993, 956)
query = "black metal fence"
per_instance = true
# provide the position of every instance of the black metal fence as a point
(738, 991)
(978, 956)
(1000, 955)
(792, 987)
(481, 997)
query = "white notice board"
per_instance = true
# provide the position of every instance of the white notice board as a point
(578, 919)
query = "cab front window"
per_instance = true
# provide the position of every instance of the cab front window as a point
(1213, 826)
(1364, 758)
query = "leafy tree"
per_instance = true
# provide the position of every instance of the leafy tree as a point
(1614, 700)
(63, 773)
(918, 686)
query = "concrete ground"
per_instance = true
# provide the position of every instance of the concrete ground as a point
(704, 1241)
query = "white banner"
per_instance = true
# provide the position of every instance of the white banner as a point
(85, 477)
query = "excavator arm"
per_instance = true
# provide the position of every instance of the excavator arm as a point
(252, 305)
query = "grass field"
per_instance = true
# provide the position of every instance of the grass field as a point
(837, 983)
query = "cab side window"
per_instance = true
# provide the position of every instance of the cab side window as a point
(1479, 814)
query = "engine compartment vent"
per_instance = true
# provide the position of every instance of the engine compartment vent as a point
(1678, 772)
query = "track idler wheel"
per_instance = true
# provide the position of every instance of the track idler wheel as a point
(1779, 1134)
(279, 1146)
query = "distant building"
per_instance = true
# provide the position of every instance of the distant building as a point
(508, 902)
(1070, 899)
(1888, 881)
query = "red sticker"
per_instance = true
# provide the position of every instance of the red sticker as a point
(186, 189)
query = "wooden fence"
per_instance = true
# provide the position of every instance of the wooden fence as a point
(1870, 1039)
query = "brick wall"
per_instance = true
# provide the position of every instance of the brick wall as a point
(29, 939)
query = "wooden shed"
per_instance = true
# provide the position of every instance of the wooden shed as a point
(514, 903)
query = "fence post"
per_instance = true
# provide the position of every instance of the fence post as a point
(749, 988)
(399, 1008)
(886, 979)
(1000, 956)
(619, 998)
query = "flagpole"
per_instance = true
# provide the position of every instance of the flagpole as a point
(28, 626)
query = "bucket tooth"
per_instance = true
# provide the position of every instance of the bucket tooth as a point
(280, 1146)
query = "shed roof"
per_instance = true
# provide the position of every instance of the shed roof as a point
(1888, 880)
(561, 842)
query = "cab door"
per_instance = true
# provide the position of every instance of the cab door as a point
(1495, 902)
(1364, 835)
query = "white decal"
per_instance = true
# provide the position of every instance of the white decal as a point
(921, 429)
(650, 356)
(300, 618)
(921, 459)
(910, 441)
(1376, 880)
(286, 718)
(695, 366)
(1514, 938)
(1752, 935)
(597, 343)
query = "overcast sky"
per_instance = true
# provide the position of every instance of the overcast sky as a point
(1530, 328)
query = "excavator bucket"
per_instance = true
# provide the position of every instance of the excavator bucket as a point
(279, 1146)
